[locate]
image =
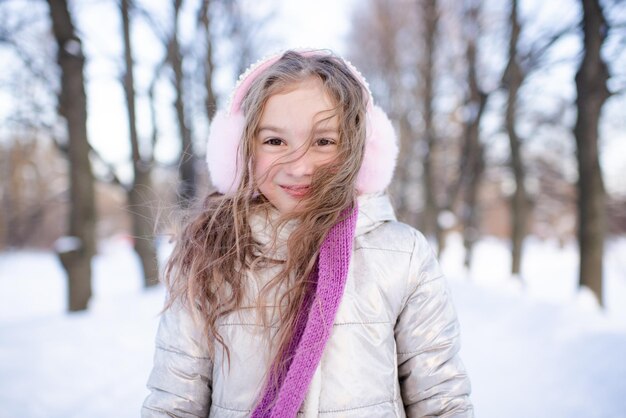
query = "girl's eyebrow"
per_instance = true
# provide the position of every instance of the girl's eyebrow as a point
(322, 131)
(271, 128)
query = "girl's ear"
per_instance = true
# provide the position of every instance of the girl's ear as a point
(381, 152)
(223, 154)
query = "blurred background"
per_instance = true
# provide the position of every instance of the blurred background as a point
(511, 120)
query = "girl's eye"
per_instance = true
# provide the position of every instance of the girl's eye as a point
(273, 141)
(323, 142)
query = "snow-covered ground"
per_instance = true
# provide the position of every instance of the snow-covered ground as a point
(536, 350)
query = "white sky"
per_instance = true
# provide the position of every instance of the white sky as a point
(319, 24)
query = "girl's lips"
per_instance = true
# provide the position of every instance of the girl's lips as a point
(296, 191)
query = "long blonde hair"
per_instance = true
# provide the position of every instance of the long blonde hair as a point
(208, 269)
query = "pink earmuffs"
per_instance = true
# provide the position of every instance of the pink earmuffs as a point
(226, 131)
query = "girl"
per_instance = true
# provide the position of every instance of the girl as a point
(294, 291)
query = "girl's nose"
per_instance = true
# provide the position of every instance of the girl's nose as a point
(300, 165)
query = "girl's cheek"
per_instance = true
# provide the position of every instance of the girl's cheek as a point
(264, 170)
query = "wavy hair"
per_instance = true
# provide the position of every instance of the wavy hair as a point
(208, 271)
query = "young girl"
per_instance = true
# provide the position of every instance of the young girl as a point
(294, 291)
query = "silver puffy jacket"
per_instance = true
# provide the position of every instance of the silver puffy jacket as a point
(393, 351)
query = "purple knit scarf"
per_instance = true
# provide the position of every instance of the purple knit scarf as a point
(314, 323)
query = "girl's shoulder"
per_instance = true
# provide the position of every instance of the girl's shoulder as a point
(378, 227)
(392, 235)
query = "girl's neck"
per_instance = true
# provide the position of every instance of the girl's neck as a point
(271, 232)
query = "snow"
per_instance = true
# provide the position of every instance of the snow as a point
(537, 349)
(68, 244)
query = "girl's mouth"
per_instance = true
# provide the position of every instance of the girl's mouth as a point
(296, 191)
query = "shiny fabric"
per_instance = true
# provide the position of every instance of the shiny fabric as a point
(393, 351)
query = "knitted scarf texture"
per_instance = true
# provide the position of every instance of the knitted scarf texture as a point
(314, 323)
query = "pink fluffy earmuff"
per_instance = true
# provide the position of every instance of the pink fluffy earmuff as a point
(226, 132)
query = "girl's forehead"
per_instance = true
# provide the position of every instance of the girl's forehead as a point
(307, 94)
(310, 82)
(299, 108)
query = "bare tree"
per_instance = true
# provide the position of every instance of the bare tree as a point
(243, 23)
(430, 16)
(472, 157)
(592, 92)
(186, 167)
(204, 18)
(391, 48)
(512, 80)
(140, 191)
(76, 257)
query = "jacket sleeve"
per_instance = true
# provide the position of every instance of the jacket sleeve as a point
(433, 381)
(180, 381)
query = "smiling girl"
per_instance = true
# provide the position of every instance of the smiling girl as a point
(293, 291)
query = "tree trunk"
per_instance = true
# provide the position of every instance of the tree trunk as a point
(186, 166)
(473, 160)
(143, 226)
(139, 195)
(592, 92)
(430, 225)
(210, 100)
(512, 79)
(76, 258)
(402, 180)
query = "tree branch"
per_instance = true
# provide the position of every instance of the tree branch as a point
(533, 57)
(26, 59)
(113, 178)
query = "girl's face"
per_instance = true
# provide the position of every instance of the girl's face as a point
(294, 138)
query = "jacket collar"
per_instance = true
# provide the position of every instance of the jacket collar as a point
(374, 209)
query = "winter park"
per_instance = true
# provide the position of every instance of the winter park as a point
(509, 123)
